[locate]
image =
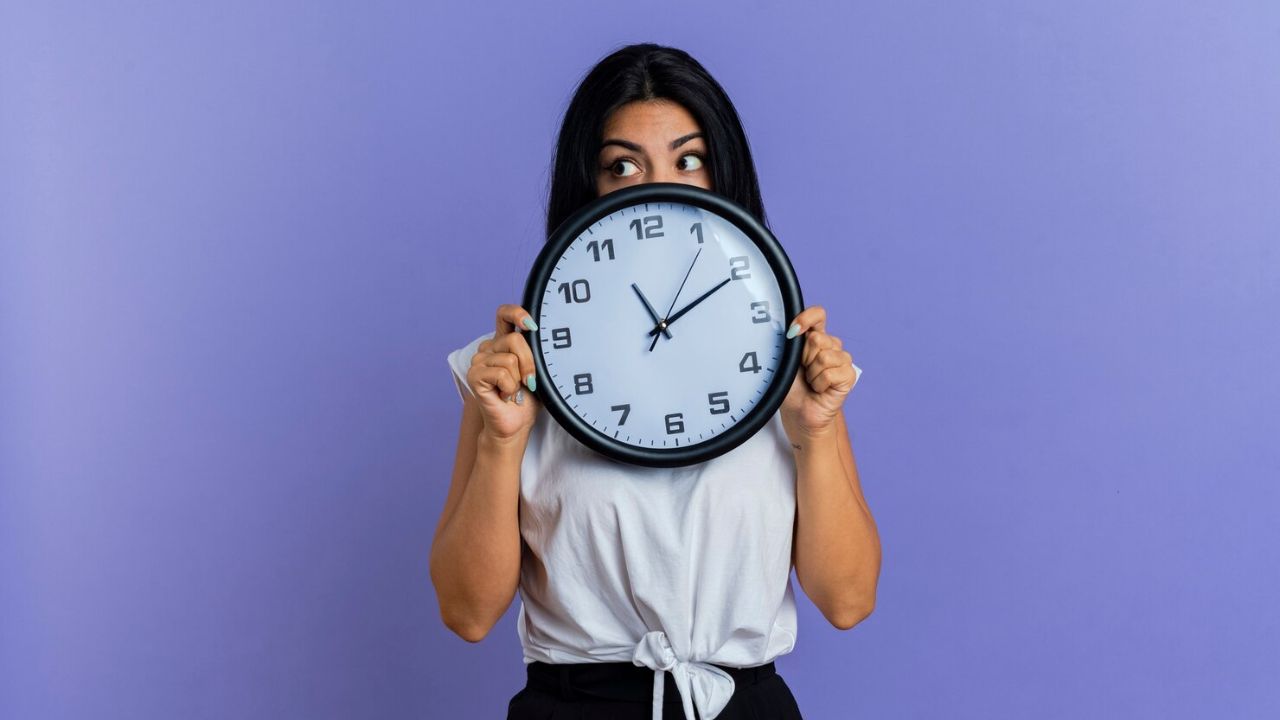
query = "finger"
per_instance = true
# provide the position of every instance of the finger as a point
(509, 362)
(513, 318)
(838, 379)
(487, 378)
(826, 359)
(813, 317)
(815, 342)
(516, 345)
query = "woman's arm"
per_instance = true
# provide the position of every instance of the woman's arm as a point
(836, 547)
(475, 556)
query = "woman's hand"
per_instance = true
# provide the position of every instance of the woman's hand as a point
(502, 376)
(825, 377)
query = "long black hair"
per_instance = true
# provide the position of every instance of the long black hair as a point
(646, 71)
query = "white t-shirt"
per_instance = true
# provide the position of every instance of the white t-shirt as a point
(669, 568)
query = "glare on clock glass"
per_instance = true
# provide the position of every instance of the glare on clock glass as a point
(597, 337)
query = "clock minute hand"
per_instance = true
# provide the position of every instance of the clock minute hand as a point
(652, 313)
(689, 307)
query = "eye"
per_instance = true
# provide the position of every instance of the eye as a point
(622, 162)
(697, 161)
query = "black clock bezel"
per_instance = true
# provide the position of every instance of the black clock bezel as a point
(779, 263)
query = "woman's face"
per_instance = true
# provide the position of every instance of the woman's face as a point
(652, 141)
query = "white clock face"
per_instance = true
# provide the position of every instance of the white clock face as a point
(605, 298)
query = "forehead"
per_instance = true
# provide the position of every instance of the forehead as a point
(656, 120)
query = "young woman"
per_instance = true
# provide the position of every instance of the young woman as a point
(651, 592)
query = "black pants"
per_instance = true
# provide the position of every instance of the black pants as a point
(624, 691)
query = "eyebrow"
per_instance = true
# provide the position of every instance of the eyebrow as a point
(636, 148)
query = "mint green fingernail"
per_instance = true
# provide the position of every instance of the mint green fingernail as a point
(532, 382)
(529, 324)
(793, 331)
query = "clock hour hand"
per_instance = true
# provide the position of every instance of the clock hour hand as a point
(689, 307)
(653, 314)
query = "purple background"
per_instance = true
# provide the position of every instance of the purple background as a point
(239, 241)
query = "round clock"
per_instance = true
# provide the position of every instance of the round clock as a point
(662, 311)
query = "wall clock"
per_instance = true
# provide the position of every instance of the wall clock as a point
(662, 312)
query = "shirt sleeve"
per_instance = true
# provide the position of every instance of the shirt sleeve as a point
(460, 362)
